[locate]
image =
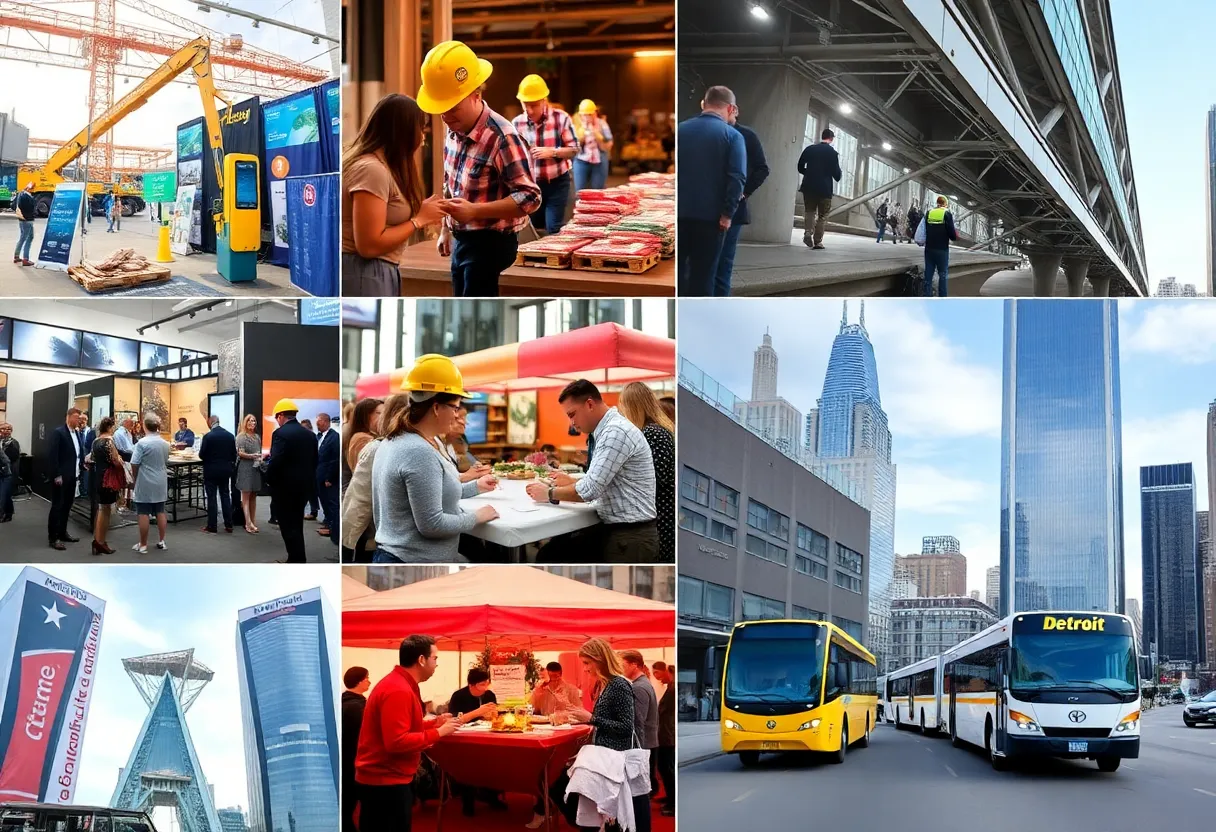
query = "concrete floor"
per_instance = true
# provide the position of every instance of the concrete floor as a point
(1019, 283)
(24, 540)
(139, 233)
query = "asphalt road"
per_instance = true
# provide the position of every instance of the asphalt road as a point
(921, 784)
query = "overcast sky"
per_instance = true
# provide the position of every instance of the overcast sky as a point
(939, 369)
(157, 609)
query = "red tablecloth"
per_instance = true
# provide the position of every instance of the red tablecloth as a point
(507, 762)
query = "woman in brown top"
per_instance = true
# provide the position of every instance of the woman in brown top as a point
(382, 204)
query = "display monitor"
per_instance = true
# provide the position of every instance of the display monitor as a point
(476, 423)
(152, 356)
(43, 344)
(224, 406)
(246, 185)
(6, 336)
(320, 311)
(109, 353)
(365, 313)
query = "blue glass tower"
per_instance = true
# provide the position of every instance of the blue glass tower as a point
(1061, 458)
(1173, 589)
(287, 704)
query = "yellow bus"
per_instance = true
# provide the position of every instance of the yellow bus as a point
(796, 686)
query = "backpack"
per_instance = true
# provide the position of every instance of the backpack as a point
(913, 282)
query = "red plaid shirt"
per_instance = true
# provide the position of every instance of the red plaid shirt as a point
(490, 163)
(554, 130)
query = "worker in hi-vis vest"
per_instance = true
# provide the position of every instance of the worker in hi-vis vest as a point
(939, 231)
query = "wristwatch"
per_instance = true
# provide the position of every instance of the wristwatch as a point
(553, 499)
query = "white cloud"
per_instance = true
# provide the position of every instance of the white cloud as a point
(930, 490)
(1179, 331)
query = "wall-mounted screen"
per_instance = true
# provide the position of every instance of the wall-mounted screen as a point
(246, 185)
(6, 336)
(109, 353)
(224, 406)
(152, 356)
(476, 423)
(42, 344)
(360, 312)
(320, 311)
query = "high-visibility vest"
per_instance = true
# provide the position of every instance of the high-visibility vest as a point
(936, 216)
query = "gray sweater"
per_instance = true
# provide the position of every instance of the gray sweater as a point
(416, 497)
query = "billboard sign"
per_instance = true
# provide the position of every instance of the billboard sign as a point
(48, 664)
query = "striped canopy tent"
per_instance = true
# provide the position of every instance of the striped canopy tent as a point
(603, 354)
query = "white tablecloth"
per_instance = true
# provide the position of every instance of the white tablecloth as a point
(522, 520)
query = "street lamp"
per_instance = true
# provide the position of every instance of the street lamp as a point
(759, 12)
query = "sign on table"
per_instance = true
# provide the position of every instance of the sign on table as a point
(508, 682)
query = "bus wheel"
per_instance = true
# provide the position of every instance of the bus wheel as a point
(1108, 762)
(839, 755)
(998, 763)
(864, 742)
(749, 758)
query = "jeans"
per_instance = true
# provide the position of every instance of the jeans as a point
(584, 175)
(329, 504)
(478, 258)
(25, 237)
(726, 261)
(939, 260)
(554, 197)
(599, 179)
(211, 487)
(385, 808)
(882, 229)
(697, 256)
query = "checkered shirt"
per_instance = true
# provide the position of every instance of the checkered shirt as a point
(554, 130)
(591, 150)
(621, 476)
(490, 163)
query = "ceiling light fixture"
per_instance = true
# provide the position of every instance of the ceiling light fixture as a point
(759, 12)
(654, 53)
(846, 108)
(886, 145)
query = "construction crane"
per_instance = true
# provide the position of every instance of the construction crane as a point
(196, 56)
(106, 45)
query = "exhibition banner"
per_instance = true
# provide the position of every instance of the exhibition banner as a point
(293, 148)
(190, 172)
(331, 139)
(183, 220)
(48, 658)
(313, 222)
(60, 234)
(160, 186)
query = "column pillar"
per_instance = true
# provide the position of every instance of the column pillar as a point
(1101, 286)
(1075, 269)
(1046, 268)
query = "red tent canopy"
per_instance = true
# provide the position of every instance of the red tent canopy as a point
(510, 604)
(604, 354)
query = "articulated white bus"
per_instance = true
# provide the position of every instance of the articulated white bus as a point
(1055, 684)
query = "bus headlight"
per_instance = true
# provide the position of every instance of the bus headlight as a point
(1129, 723)
(732, 725)
(1024, 722)
(806, 726)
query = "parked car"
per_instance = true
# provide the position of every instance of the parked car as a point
(1201, 711)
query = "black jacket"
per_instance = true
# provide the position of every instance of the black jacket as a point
(63, 453)
(13, 452)
(464, 702)
(352, 722)
(819, 165)
(757, 172)
(292, 468)
(667, 717)
(218, 453)
(328, 451)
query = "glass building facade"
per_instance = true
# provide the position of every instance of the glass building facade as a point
(1061, 458)
(1173, 591)
(287, 698)
(1210, 202)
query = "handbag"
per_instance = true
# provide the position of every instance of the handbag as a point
(920, 233)
(113, 479)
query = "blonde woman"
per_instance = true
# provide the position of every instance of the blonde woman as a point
(640, 405)
(248, 470)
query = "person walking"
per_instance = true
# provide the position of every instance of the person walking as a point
(108, 206)
(549, 134)
(249, 470)
(66, 457)
(939, 232)
(329, 450)
(382, 198)
(819, 165)
(150, 467)
(487, 171)
(895, 220)
(880, 219)
(710, 179)
(291, 473)
(914, 217)
(26, 208)
(110, 477)
(757, 172)
(594, 147)
(218, 455)
(116, 212)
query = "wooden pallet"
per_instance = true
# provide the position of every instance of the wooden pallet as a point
(97, 281)
(624, 263)
(543, 259)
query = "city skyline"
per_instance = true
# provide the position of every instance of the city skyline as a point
(940, 370)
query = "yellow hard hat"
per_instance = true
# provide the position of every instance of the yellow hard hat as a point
(586, 107)
(435, 374)
(285, 406)
(450, 74)
(532, 88)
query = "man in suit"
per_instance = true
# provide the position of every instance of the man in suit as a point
(291, 474)
(218, 455)
(329, 449)
(819, 165)
(757, 172)
(66, 458)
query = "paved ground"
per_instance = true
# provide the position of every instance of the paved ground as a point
(24, 541)
(510, 820)
(906, 781)
(139, 233)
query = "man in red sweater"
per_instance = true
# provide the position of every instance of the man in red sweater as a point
(394, 734)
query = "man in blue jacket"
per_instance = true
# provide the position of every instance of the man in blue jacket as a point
(218, 455)
(757, 172)
(328, 452)
(819, 165)
(710, 174)
(939, 231)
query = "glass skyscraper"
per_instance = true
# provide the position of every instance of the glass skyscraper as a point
(1061, 458)
(1173, 591)
(287, 704)
(1209, 180)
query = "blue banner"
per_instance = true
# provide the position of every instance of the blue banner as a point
(56, 249)
(331, 139)
(293, 148)
(320, 311)
(312, 222)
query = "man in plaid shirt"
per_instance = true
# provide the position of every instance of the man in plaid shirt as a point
(487, 176)
(549, 133)
(620, 480)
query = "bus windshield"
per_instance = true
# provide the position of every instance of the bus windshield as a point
(1074, 661)
(776, 663)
